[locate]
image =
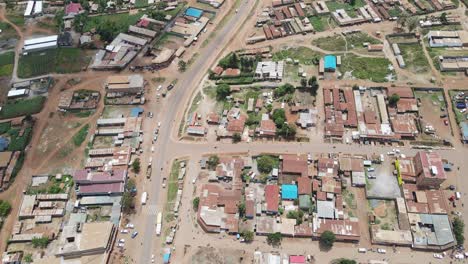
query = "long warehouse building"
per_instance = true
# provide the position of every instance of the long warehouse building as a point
(42, 43)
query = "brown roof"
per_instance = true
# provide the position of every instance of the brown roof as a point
(295, 164)
(343, 229)
(218, 70)
(407, 105)
(272, 197)
(437, 202)
(321, 196)
(249, 208)
(236, 125)
(231, 72)
(330, 185)
(304, 185)
(213, 118)
(5, 158)
(267, 127)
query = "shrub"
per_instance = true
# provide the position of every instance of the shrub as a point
(274, 239)
(195, 203)
(265, 164)
(458, 229)
(327, 239)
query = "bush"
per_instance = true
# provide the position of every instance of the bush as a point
(284, 89)
(236, 138)
(222, 91)
(19, 143)
(274, 239)
(265, 164)
(393, 99)
(40, 242)
(327, 239)
(4, 127)
(195, 203)
(344, 261)
(230, 61)
(212, 162)
(136, 166)
(248, 236)
(458, 229)
(5, 208)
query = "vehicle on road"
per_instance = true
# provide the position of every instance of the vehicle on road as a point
(438, 256)
(159, 124)
(158, 224)
(129, 225)
(124, 231)
(134, 234)
(159, 87)
(170, 86)
(155, 138)
(446, 122)
(144, 197)
(381, 250)
(362, 250)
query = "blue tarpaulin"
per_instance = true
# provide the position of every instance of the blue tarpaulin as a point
(330, 62)
(193, 12)
(289, 191)
(136, 111)
(166, 257)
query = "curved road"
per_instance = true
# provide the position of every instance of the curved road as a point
(175, 107)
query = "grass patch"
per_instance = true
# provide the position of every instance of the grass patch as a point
(331, 43)
(173, 185)
(19, 143)
(414, 57)
(121, 21)
(7, 60)
(304, 55)
(16, 19)
(22, 107)
(62, 60)
(53, 186)
(159, 79)
(80, 136)
(319, 23)
(5, 127)
(374, 69)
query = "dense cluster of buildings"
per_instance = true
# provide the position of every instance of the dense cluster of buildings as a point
(320, 187)
(367, 113)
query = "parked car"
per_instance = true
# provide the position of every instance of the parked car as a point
(170, 86)
(134, 234)
(438, 256)
(130, 225)
(381, 250)
(124, 231)
(446, 122)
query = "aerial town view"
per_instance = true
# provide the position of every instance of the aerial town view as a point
(233, 131)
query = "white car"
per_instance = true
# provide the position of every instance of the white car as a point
(129, 225)
(438, 256)
(159, 87)
(124, 231)
(159, 124)
(121, 240)
(381, 251)
(121, 245)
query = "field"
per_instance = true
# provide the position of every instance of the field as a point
(374, 69)
(320, 23)
(22, 107)
(121, 21)
(304, 55)
(7, 60)
(62, 60)
(341, 43)
(414, 57)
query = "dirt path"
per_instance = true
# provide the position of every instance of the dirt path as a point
(18, 45)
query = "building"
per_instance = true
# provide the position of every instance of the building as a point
(130, 84)
(344, 230)
(73, 9)
(289, 192)
(267, 128)
(439, 39)
(330, 63)
(429, 170)
(269, 70)
(307, 119)
(271, 199)
(42, 43)
(294, 165)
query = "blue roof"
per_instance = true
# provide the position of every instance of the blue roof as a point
(136, 111)
(166, 257)
(330, 62)
(289, 191)
(4, 142)
(193, 12)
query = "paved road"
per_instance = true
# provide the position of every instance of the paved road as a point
(175, 106)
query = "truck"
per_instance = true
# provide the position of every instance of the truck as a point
(158, 224)
(144, 197)
(148, 172)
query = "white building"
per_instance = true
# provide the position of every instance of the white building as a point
(269, 70)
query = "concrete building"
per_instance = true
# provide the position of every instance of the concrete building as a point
(269, 70)
(438, 39)
(130, 84)
(42, 43)
(429, 170)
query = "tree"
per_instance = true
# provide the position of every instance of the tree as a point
(241, 209)
(284, 89)
(327, 239)
(313, 85)
(248, 236)
(266, 163)
(107, 31)
(5, 208)
(304, 82)
(458, 229)
(443, 18)
(79, 21)
(157, 15)
(182, 66)
(402, 20)
(136, 166)
(236, 138)
(195, 203)
(28, 258)
(279, 113)
(312, 80)
(393, 99)
(344, 261)
(128, 202)
(274, 239)
(352, 2)
(41, 242)
(222, 91)
(286, 130)
(230, 61)
(161, 5)
(412, 23)
(212, 162)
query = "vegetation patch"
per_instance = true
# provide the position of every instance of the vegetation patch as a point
(19, 143)
(115, 23)
(304, 55)
(414, 57)
(374, 69)
(80, 136)
(61, 60)
(7, 60)
(319, 23)
(53, 186)
(22, 107)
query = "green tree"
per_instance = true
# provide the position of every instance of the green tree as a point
(28, 258)
(182, 66)
(136, 166)
(314, 86)
(5, 208)
(241, 209)
(393, 99)
(286, 130)
(443, 18)
(327, 238)
(213, 161)
(344, 261)
(79, 21)
(161, 5)
(266, 163)
(412, 23)
(195, 203)
(128, 202)
(236, 138)
(248, 236)
(352, 2)
(41, 242)
(157, 15)
(284, 89)
(274, 239)
(278, 113)
(222, 91)
(107, 31)
(458, 230)
(304, 82)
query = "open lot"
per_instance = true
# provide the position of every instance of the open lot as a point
(62, 60)
(120, 21)
(374, 69)
(385, 213)
(414, 57)
(345, 43)
(304, 55)
(385, 185)
(6, 63)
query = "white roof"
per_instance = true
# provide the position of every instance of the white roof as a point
(13, 93)
(38, 7)
(40, 40)
(29, 8)
(40, 46)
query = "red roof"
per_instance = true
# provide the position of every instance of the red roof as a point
(249, 208)
(267, 127)
(101, 188)
(236, 125)
(304, 185)
(231, 72)
(218, 70)
(143, 23)
(297, 259)
(272, 198)
(73, 8)
(403, 92)
(295, 164)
